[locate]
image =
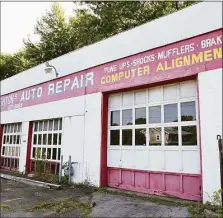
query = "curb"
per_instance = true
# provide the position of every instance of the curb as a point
(31, 182)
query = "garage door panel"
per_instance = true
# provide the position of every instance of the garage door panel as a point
(114, 157)
(172, 161)
(115, 100)
(141, 159)
(127, 159)
(127, 99)
(156, 160)
(191, 163)
(188, 89)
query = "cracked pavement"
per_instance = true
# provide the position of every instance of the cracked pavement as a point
(19, 196)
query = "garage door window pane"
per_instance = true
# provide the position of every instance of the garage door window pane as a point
(34, 153)
(35, 126)
(155, 136)
(140, 137)
(189, 135)
(35, 139)
(45, 124)
(114, 137)
(44, 139)
(18, 139)
(49, 139)
(59, 141)
(127, 117)
(50, 125)
(54, 155)
(170, 113)
(48, 153)
(4, 139)
(55, 139)
(155, 114)
(140, 116)
(43, 153)
(39, 139)
(40, 126)
(115, 118)
(3, 150)
(188, 111)
(58, 154)
(171, 136)
(60, 125)
(126, 137)
(56, 124)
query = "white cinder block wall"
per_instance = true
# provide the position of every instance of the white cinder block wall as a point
(81, 132)
(210, 96)
(23, 148)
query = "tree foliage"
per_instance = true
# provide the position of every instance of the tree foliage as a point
(91, 22)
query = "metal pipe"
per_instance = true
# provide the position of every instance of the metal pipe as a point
(69, 178)
(60, 170)
(221, 166)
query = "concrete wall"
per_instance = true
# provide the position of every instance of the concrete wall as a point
(192, 21)
(210, 96)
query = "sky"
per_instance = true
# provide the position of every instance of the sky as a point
(18, 20)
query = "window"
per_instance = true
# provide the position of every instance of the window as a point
(114, 137)
(140, 116)
(127, 117)
(11, 141)
(189, 135)
(140, 137)
(160, 116)
(155, 114)
(127, 137)
(47, 136)
(155, 136)
(171, 136)
(170, 113)
(115, 118)
(188, 111)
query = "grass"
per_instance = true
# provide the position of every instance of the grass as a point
(197, 211)
(63, 205)
(6, 207)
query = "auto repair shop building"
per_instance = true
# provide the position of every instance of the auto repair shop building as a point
(139, 111)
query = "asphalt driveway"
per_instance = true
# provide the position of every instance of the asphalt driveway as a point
(22, 200)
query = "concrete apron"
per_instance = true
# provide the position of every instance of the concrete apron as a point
(30, 181)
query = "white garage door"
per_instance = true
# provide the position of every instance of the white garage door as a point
(155, 131)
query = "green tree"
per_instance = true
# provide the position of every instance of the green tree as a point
(91, 22)
(53, 30)
(11, 64)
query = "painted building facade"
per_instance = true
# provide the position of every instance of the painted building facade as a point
(139, 111)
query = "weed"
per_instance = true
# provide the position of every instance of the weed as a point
(63, 205)
(197, 211)
(86, 187)
(6, 207)
(213, 205)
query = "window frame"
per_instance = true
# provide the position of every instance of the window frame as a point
(47, 146)
(178, 100)
(8, 134)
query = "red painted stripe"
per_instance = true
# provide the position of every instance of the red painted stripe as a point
(104, 127)
(29, 147)
(1, 137)
(200, 143)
